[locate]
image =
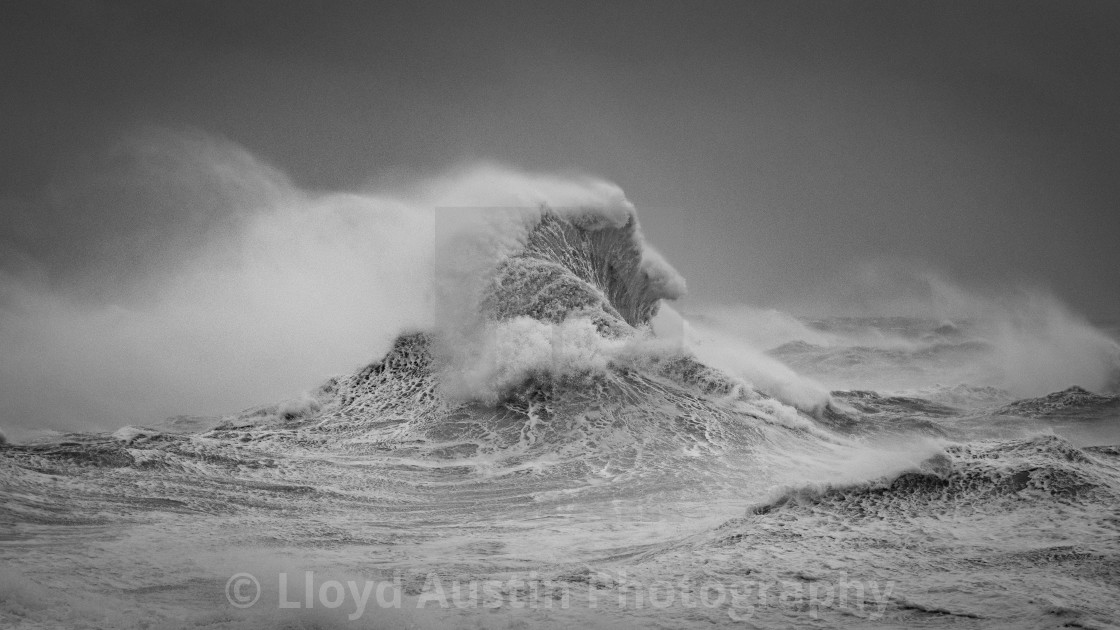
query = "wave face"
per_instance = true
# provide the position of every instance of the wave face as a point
(550, 422)
(524, 292)
(567, 267)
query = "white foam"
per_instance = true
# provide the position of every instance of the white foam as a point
(739, 358)
(270, 290)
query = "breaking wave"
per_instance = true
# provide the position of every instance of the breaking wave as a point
(550, 389)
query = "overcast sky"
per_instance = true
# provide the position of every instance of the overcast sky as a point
(776, 150)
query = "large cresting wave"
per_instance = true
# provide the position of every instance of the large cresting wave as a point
(537, 407)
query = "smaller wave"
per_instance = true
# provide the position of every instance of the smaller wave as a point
(960, 395)
(869, 402)
(1028, 346)
(978, 475)
(841, 356)
(1068, 402)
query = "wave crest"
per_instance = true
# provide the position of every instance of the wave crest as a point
(522, 292)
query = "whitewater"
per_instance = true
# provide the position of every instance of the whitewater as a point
(546, 440)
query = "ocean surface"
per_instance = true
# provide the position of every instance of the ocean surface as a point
(561, 449)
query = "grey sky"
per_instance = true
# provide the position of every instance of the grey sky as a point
(775, 149)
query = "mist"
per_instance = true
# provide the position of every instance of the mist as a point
(179, 274)
(1023, 339)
